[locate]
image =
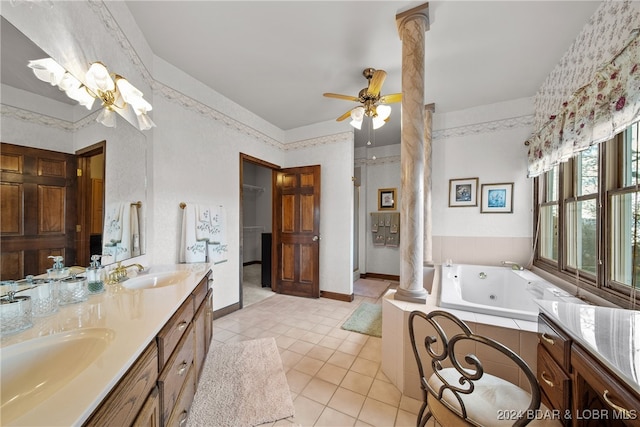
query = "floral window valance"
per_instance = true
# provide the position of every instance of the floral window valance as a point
(595, 112)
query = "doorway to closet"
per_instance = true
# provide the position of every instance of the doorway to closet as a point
(257, 209)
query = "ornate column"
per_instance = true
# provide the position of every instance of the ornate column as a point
(428, 267)
(412, 24)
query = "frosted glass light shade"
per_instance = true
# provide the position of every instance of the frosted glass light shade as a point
(107, 117)
(357, 115)
(384, 111)
(377, 122)
(144, 122)
(47, 70)
(98, 78)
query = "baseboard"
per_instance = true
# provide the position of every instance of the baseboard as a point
(380, 276)
(226, 310)
(336, 296)
(244, 264)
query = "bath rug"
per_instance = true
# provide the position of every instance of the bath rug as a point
(370, 288)
(366, 319)
(242, 384)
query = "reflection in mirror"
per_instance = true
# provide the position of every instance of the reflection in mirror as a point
(37, 116)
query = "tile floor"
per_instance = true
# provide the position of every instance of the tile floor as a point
(334, 375)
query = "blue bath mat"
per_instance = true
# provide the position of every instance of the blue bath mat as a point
(366, 319)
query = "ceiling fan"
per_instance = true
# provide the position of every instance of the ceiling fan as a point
(373, 104)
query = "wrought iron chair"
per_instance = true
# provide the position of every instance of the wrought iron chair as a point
(460, 393)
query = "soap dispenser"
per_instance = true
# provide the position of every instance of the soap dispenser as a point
(96, 276)
(59, 271)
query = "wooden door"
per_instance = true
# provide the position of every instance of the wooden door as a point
(297, 231)
(38, 209)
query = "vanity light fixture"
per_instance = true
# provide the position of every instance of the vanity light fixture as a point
(113, 90)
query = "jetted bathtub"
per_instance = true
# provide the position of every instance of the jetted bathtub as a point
(498, 291)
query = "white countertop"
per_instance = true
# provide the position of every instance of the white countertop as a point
(134, 316)
(612, 335)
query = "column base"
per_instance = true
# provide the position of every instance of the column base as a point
(418, 296)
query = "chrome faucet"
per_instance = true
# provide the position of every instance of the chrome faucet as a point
(119, 273)
(514, 266)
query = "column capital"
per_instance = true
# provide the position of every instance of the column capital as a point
(421, 11)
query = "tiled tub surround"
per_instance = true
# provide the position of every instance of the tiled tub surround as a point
(398, 361)
(134, 318)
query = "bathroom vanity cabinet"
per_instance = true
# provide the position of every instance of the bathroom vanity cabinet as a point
(581, 384)
(159, 388)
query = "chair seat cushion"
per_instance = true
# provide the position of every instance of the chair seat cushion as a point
(494, 402)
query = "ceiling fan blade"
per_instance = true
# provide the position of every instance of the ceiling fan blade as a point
(338, 96)
(391, 98)
(375, 84)
(344, 116)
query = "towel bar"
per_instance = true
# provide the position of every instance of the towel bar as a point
(137, 204)
(183, 205)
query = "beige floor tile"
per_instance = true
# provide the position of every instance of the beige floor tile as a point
(301, 347)
(340, 333)
(309, 365)
(312, 337)
(307, 411)
(341, 359)
(377, 413)
(350, 347)
(405, 419)
(365, 367)
(330, 342)
(331, 373)
(321, 329)
(290, 358)
(410, 404)
(295, 332)
(347, 401)
(297, 380)
(284, 341)
(321, 353)
(332, 418)
(357, 382)
(319, 390)
(385, 392)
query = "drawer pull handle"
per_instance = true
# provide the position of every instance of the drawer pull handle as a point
(182, 368)
(547, 339)
(614, 406)
(183, 418)
(182, 326)
(547, 381)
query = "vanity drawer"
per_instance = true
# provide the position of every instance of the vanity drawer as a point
(555, 342)
(181, 409)
(555, 384)
(174, 375)
(174, 329)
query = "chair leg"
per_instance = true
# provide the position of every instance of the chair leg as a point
(422, 417)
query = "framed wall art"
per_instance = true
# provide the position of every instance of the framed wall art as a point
(386, 199)
(463, 192)
(497, 198)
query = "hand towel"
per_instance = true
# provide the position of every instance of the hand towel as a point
(135, 231)
(191, 249)
(123, 247)
(217, 248)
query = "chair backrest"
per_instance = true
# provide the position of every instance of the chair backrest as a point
(440, 348)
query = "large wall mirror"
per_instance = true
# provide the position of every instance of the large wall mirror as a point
(106, 212)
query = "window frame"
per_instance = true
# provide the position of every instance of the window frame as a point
(610, 183)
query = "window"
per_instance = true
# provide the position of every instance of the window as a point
(589, 218)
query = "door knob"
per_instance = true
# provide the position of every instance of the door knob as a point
(316, 238)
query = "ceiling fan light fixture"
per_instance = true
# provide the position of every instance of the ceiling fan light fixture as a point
(107, 117)
(377, 122)
(357, 115)
(383, 111)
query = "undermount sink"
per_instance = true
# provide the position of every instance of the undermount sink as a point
(34, 370)
(156, 280)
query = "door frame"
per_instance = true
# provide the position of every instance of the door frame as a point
(247, 158)
(84, 200)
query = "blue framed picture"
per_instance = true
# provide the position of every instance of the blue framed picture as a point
(497, 198)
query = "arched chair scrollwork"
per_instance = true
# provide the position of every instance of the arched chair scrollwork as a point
(459, 392)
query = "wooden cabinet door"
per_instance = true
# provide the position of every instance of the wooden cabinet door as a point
(297, 231)
(38, 209)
